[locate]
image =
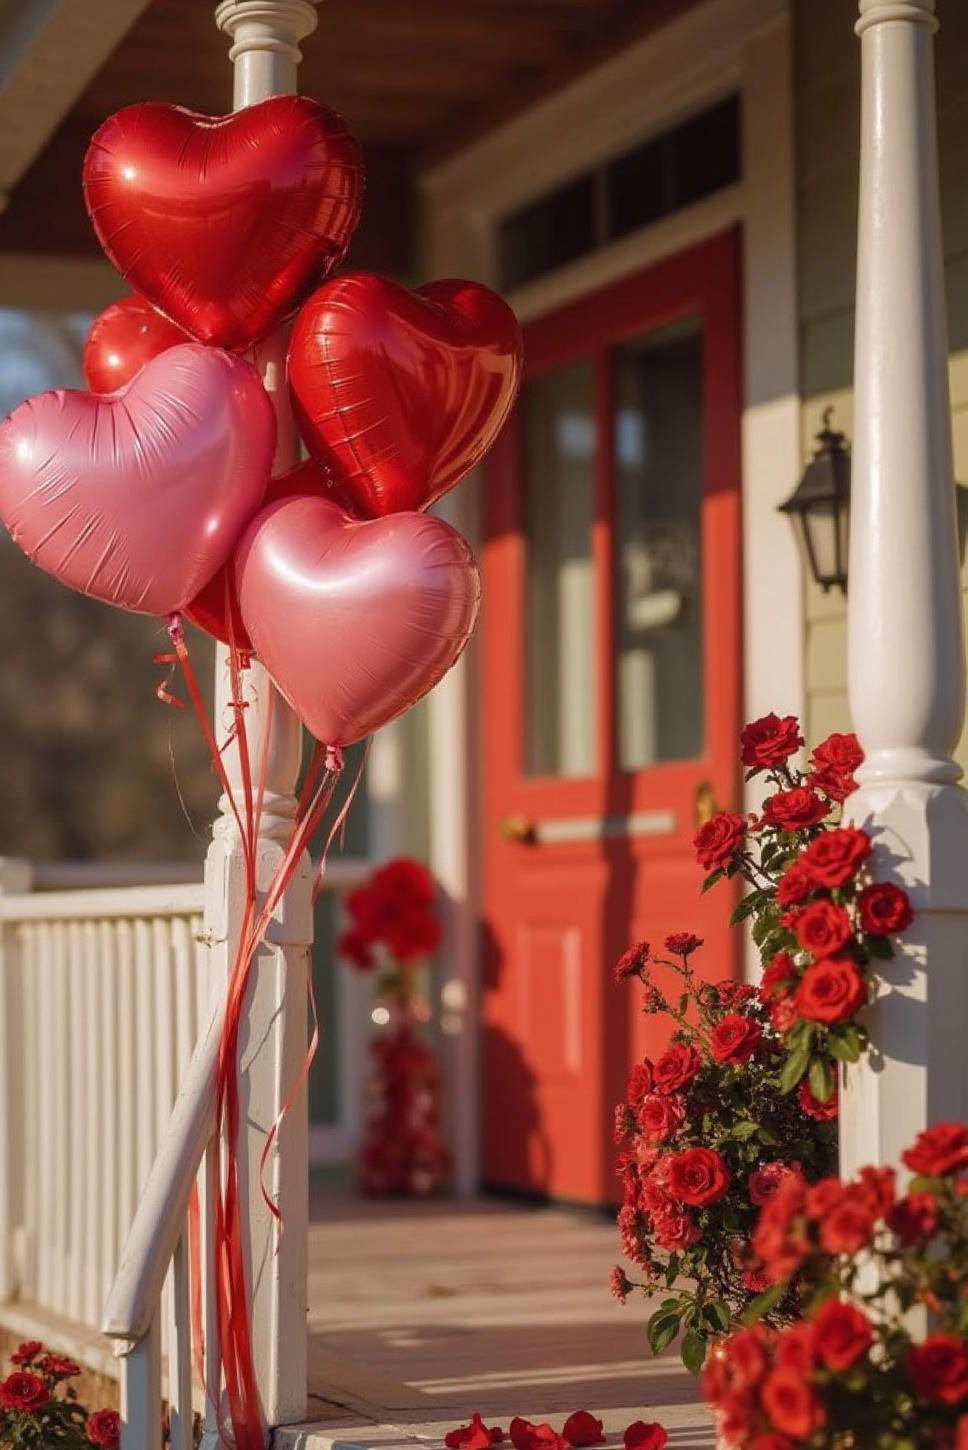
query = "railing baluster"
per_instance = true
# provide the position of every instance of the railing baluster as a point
(127, 1085)
(180, 1351)
(110, 1108)
(141, 1393)
(76, 1149)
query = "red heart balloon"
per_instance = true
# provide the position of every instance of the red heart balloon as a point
(122, 339)
(354, 620)
(401, 393)
(218, 602)
(225, 223)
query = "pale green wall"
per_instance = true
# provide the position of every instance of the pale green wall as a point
(827, 82)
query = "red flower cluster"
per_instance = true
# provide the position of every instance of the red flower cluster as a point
(395, 909)
(815, 918)
(699, 1130)
(36, 1412)
(853, 1375)
(579, 1430)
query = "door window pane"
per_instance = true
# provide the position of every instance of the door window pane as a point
(658, 498)
(559, 459)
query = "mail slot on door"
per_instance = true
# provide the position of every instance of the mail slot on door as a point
(587, 828)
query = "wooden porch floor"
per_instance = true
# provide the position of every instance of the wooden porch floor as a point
(420, 1314)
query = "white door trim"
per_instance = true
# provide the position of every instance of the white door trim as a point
(719, 47)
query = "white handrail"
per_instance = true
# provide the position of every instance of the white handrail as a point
(155, 1232)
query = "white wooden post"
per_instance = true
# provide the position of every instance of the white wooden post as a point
(905, 646)
(265, 51)
(15, 876)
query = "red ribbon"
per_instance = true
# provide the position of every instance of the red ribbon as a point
(231, 1291)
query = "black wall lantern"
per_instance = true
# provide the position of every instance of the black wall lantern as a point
(820, 508)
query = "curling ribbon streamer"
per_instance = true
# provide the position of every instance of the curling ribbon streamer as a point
(235, 1339)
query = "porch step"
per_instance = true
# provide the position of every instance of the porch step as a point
(688, 1425)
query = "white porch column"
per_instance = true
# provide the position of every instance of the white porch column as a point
(906, 661)
(265, 51)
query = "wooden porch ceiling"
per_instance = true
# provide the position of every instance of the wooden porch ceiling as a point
(415, 79)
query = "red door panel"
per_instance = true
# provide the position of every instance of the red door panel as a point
(611, 695)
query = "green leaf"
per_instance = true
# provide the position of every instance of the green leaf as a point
(763, 1303)
(744, 1129)
(717, 1312)
(745, 908)
(795, 1066)
(821, 1079)
(693, 1351)
(844, 1049)
(711, 880)
(662, 1329)
(768, 1139)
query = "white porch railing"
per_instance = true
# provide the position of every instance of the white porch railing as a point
(101, 997)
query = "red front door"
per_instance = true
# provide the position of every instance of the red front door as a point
(611, 696)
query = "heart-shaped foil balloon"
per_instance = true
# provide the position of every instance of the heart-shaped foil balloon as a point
(224, 223)
(215, 606)
(137, 498)
(401, 393)
(122, 339)
(354, 620)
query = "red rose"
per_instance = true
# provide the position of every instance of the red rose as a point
(939, 1150)
(837, 855)
(675, 1229)
(823, 928)
(407, 880)
(884, 908)
(104, 1428)
(682, 943)
(698, 1177)
(772, 1441)
(876, 1187)
(814, 1108)
(620, 1285)
(733, 995)
(849, 1226)
(764, 1182)
(783, 1014)
(659, 1115)
(831, 991)
(834, 762)
(640, 1436)
(581, 1428)
(792, 1403)
(746, 1354)
(735, 1039)
(58, 1367)
(475, 1436)
(961, 1440)
(938, 1369)
(26, 1352)
(718, 840)
(794, 886)
(777, 1242)
(841, 1334)
(632, 962)
(677, 1067)
(914, 1218)
(736, 1413)
(794, 810)
(778, 977)
(770, 741)
(525, 1436)
(795, 1349)
(640, 1081)
(23, 1391)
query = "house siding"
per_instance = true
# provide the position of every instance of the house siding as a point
(827, 86)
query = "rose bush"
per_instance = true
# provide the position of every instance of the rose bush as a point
(861, 1370)
(818, 919)
(39, 1406)
(707, 1137)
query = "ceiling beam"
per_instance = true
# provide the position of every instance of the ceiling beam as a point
(50, 50)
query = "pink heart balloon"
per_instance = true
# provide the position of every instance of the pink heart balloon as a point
(355, 621)
(138, 498)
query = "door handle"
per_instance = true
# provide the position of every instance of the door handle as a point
(705, 806)
(519, 828)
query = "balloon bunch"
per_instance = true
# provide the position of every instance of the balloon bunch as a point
(154, 491)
